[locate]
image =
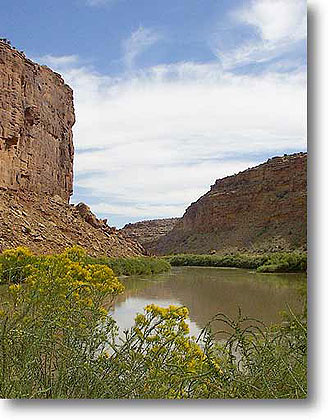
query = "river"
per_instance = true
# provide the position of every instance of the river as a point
(207, 291)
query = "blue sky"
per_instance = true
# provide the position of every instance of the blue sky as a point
(169, 95)
(95, 30)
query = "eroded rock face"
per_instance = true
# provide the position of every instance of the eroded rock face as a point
(36, 119)
(47, 224)
(261, 209)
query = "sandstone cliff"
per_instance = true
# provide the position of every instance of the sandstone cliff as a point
(262, 208)
(148, 232)
(36, 165)
(36, 119)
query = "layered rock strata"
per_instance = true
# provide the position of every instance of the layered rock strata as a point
(36, 119)
(260, 209)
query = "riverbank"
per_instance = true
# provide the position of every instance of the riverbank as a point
(276, 262)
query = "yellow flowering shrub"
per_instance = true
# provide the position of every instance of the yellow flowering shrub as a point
(54, 321)
(161, 359)
(15, 265)
(75, 253)
(18, 252)
(57, 340)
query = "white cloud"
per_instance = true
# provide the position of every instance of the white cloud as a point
(100, 2)
(150, 191)
(60, 61)
(152, 142)
(140, 40)
(169, 105)
(165, 134)
(139, 211)
(276, 20)
(279, 24)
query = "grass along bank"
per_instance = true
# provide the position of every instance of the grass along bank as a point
(277, 262)
(58, 341)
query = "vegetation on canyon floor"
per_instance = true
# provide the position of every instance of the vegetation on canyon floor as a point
(58, 341)
(15, 265)
(276, 262)
(132, 266)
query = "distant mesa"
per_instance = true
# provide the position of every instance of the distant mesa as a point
(149, 232)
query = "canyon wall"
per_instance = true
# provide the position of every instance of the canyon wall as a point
(36, 166)
(260, 209)
(36, 119)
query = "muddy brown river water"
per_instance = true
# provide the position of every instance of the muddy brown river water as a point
(207, 291)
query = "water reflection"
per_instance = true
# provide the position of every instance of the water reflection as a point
(207, 291)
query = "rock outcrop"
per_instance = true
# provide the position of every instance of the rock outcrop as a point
(148, 232)
(47, 224)
(260, 209)
(36, 119)
(36, 165)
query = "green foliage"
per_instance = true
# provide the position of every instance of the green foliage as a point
(265, 362)
(50, 327)
(263, 263)
(57, 341)
(133, 266)
(284, 262)
(230, 260)
(121, 266)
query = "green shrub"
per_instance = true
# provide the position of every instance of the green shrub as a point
(121, 266)
(265, 362)
(272, 262)
(50, 331)
(284, 262)
(133, 266)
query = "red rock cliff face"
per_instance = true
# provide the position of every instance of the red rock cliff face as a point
(263, 208)
(36, 119)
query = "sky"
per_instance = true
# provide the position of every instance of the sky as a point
(169, 95)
